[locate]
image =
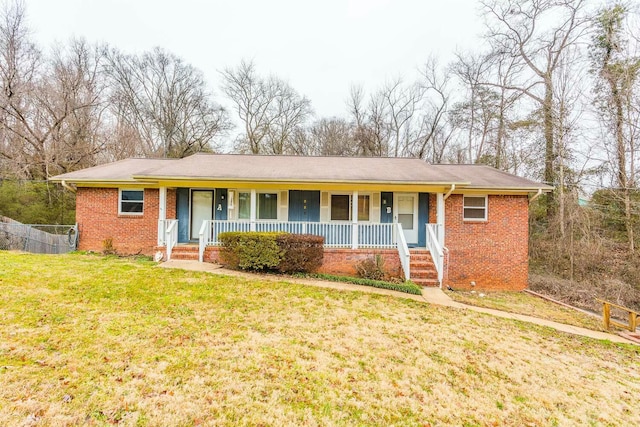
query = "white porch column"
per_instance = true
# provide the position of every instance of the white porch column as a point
(162, 214)
(354, 220)
(440, 218)
(253, 211)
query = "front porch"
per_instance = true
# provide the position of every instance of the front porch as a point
(357, 223)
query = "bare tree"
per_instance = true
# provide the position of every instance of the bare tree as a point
(271, 111)
(537, 33)
(48, 107)
(166, 102)
(618, 88)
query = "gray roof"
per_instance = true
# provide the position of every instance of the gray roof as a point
(247, 168)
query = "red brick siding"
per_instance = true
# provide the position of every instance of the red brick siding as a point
(98, 219)
(492, 253)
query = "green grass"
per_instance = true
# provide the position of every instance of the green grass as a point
(523, 303)
(101, 341)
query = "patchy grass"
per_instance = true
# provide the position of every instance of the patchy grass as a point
(98, 341)
(523, 303)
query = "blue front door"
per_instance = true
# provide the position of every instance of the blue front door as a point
(304, 206)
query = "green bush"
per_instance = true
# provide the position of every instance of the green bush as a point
(302, 252)
(406, 287)
(250, 250)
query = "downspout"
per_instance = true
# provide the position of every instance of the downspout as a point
(453, 187)
(535, 196)
(67, 186)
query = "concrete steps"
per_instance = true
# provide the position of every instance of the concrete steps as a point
(423, 270)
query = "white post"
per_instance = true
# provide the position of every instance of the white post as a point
(354, 220)
(253, 211)
(440, 218)
(162, 214)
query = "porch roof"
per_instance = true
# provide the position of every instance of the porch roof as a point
(299, 169)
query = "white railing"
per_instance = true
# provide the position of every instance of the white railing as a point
(336, 234)
(162, 229)
(403, 251)
(171, 235)
(203, 239)
(434, 236)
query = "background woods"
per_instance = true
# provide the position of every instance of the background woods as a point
(552, 93)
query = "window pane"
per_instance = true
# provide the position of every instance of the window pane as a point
(474, 213)
(406, 220)
(339, 207)
(244, 205)
(363, 208)
(133, 195)
(474, 202)
(131, 207)
(131, 201)
(268, 206)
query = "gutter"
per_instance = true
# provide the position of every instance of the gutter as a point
(453, 187)
(535, 196)
(67, 186)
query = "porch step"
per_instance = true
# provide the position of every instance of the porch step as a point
(185, 252)
(423, 270)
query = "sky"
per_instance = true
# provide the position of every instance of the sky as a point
(320, 47)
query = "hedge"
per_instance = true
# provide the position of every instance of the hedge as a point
(302, 252)
(407, 287)
(250, 250)
(284, 252)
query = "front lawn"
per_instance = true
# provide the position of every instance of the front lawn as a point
(101, 341)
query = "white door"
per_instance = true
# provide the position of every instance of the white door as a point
(201, 210)
(407, 215)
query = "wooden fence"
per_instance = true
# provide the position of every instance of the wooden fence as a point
(607, 321)
(37, 238)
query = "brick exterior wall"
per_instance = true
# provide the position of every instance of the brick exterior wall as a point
(492, 253)
(98, 220)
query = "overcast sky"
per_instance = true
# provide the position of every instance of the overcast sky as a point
(319, 47)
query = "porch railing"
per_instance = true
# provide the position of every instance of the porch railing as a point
(336, 235)
(403, 252)
(171, 235)
(203, 236)
(434, 234)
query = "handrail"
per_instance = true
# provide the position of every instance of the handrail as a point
(171, 236)
(403, 251)
(632, 324)
(204, 237)
(437, 252)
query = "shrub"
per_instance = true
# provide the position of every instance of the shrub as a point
(250, 250)
(302, 252)
(371, 268)
(107, 247)
(407, 287)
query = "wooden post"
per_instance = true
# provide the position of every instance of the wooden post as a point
(633, 321)
(606, 315)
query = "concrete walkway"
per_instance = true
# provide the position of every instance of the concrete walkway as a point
(430, 295)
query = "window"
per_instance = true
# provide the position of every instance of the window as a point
(244, 205)
(341, 207)
(268, 206)
(131, 202)
(475, 208)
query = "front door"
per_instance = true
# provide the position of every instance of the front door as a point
(407, 214)
(201, 210)
(304, 206)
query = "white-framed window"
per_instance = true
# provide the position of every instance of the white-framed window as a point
(341, 204)
(267, 205)
(474, 208)
(131, 202)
